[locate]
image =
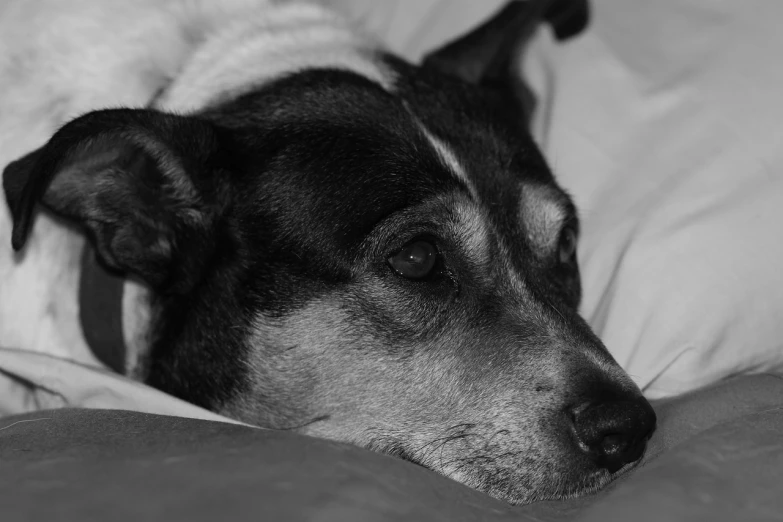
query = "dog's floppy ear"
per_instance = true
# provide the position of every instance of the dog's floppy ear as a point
(485, 55)
(135, 179)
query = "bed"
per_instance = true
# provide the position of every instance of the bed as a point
(663, 122)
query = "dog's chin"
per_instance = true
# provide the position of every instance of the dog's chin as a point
(508, 486)
(587, 485)
(594, 483)
(508, 473)
(566, 489)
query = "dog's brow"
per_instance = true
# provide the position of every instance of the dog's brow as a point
(473, 229)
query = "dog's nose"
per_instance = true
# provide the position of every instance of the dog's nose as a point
(615, 433)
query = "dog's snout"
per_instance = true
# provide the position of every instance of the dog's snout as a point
(615, 433)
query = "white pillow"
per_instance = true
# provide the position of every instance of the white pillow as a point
(31, 381)
(665, 122)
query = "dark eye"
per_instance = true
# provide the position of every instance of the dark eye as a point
(416, 260)
(567, 245)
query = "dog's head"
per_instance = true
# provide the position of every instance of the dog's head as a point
(394, 268)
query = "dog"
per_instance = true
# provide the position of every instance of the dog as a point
(315, 235)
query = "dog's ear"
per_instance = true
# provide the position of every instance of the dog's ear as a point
(135, 179)
(485, 55)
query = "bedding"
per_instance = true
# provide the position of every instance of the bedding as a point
(664, 122)
(33, 381)
(718, 457)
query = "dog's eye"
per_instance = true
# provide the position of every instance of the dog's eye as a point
(567, 245)
(416, 260)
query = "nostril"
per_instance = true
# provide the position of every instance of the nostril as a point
(612, 444)
(615, 433)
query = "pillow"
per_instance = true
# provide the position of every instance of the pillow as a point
(31, 381)
(664, 121)
(720, 460)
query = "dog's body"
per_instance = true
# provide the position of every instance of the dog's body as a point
(325, 238)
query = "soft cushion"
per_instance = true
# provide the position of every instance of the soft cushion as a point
(720, 459)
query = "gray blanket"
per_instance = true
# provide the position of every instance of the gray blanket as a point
(718, 455)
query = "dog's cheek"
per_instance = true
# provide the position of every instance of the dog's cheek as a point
(282, 381)
(325, 369)
(312, 370)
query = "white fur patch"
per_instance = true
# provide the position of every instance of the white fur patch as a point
(448, 158)
(264, 43)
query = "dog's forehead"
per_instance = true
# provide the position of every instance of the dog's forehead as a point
(338, 147)
(337, 152)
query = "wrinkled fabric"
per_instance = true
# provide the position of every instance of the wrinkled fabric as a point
(126, 466)
(32, 381)
(664, 123)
